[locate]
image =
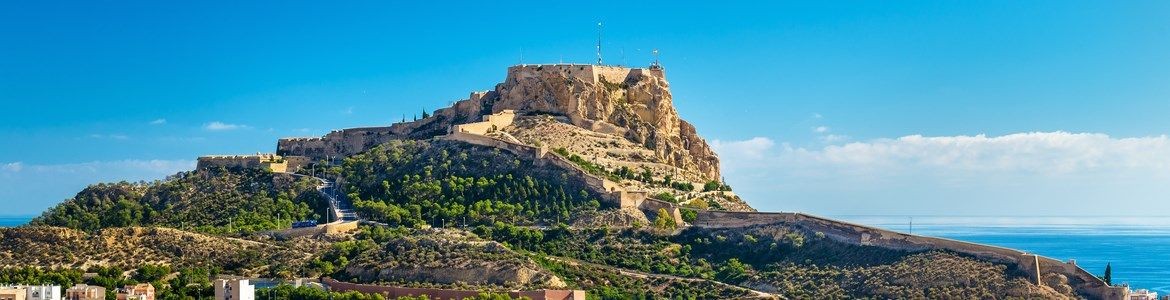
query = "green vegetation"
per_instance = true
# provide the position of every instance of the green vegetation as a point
(308, 293)
(439, 183)
(193, 283)
(715, 186)
(1108, 277)
(210, 201)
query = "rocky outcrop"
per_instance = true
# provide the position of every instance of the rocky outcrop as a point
(633, 103)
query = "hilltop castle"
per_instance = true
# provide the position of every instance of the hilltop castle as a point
(634, 103)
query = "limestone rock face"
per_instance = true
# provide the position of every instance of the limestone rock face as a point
(633, 103)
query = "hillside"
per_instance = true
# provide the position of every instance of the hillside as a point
(445, 183)
(562, 177)
(208, 200)
(131, 247)
(633, 165)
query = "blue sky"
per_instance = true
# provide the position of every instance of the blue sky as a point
(940, 107)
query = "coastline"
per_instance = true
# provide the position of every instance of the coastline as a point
(1137, 248)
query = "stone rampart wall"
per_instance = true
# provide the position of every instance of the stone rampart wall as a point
(611, 192)
(228, 161)
(858, 234)
(392, 292)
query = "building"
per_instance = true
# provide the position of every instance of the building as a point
(234, 289)
(44, 292)
(30, 292)
(1143, 294)
(85, 292)
(13, 293)
(141, 291)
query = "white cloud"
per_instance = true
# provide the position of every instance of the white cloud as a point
(12, 167)
(347, 111)
(821, 129)
(1036, 152)
(109, 136)
(1035, 172)
(158, 122)
(752, 149)
(221, 126)
(833, 138)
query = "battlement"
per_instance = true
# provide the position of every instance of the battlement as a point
(266, 161)
(585, 72)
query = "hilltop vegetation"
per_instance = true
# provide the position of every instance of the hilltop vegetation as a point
(445, 183)
(210, 201)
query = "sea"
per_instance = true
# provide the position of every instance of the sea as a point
(1137, 248)
(13, 221)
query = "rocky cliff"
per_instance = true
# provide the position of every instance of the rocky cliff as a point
(633, 103)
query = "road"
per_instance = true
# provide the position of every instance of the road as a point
(340, 207)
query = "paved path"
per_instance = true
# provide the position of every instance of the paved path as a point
(339, 205)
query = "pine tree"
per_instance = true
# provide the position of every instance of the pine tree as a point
(1108, 278)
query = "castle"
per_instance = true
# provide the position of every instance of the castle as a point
(630, 102)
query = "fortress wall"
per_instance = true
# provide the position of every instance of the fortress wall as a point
(856, 234)
(580, 72)
(392, 292)
(611, 192)
(340, 227)
(344, 142)
(728, 219)
(227, 161)
(295, 163)
(611, 74)
(653, 205)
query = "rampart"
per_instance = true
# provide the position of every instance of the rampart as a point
(393, 292)
(584, 72)
(611, 192)
(856, 234)
(266, 161)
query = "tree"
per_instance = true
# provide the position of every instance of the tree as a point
(1108, 278)
(663, 220)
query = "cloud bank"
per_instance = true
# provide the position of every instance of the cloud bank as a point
(1064, 171)
(221, 126)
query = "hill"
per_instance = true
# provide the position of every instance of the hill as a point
(563, 176)
(207, 200)
(132, 247)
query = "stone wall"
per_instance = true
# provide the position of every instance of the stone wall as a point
(392, 292)
(327, 228)
(611, 192)
(266, 161)
(490, 123)
(1083, 281)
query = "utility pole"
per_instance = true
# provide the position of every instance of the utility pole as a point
(598, 43)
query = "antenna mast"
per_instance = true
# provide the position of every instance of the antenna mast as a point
(599, 43)
(656, 64)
